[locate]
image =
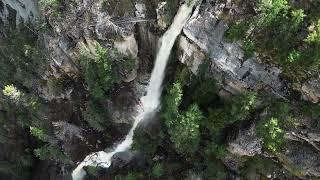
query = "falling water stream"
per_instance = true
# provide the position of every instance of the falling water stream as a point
(151, 101)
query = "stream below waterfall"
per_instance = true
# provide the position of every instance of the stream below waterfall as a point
(150, 102)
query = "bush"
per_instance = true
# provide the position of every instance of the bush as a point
(249, 47)
(213, 149)
(48, 152)
(38, 133)
(297, 17)
(99, 75)
(184, 131)
(272, 134)
(92, 170)
(157, 170)
(236, 109)
(19, 57)
(103, 69)
(12, 92)
(50, 6)
(215, 170)
(283, 23)
(129, 176)
(314, 35)
(269, 11)
(238, 31)
(270, 128)
(294, 56)
(202, 89)
(96, 115)
(171, 103)
(241, 106)
(143, 142)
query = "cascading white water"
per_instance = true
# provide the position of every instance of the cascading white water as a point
(151, 101)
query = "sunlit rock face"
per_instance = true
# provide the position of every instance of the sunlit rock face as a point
(246, 143)
(25, 10)
(311, 90)
(207, 32)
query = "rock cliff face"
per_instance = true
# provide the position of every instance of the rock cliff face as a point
(229, 65)
(133, 27)
(26, 11)
(205, 35)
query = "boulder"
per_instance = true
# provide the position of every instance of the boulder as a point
(311, 90)
(129, 47)
(246, 143)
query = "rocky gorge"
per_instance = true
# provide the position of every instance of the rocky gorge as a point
(71, 34)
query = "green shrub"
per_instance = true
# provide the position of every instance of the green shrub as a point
(215, 149)
(249, 47)
(19, 57)
(202, 89)
(157, 170)
(170, 9)
(102, 70)
(269, 11)
(96, 115)
(215, 170)
(314, 35)
(171, 104)
(238, 31)
(184, 131)
(237, 109)
(38, 133)
(297, 17)
(12, 92)
(129, 176)
(50, 6)
(241, 106)
(272, 134)
(294, 56)
(99, 75)
(92, 170)
(48, 152)
(144, 143)
(273, 31)
(271, 127)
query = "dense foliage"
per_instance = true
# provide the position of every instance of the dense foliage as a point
(19, 56)
(271, 127)
(101, 74)
(290, 46)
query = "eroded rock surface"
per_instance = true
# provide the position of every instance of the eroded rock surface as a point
(207, 32)
(311, 90)
(246, 143)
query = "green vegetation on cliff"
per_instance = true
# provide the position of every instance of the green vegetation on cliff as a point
(19, 57)
(281, 33)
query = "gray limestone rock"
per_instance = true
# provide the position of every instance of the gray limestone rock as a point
(311, 90)
(207, 32)
(246, 143)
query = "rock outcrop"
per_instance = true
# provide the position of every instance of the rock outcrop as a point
(204, 37)
(26, 10)
(228, 62)
(246, 143)
(311, 90)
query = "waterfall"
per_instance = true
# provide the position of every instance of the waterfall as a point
(151, 101)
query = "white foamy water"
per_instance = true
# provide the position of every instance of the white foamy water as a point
(26, 10)
(150, 102)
